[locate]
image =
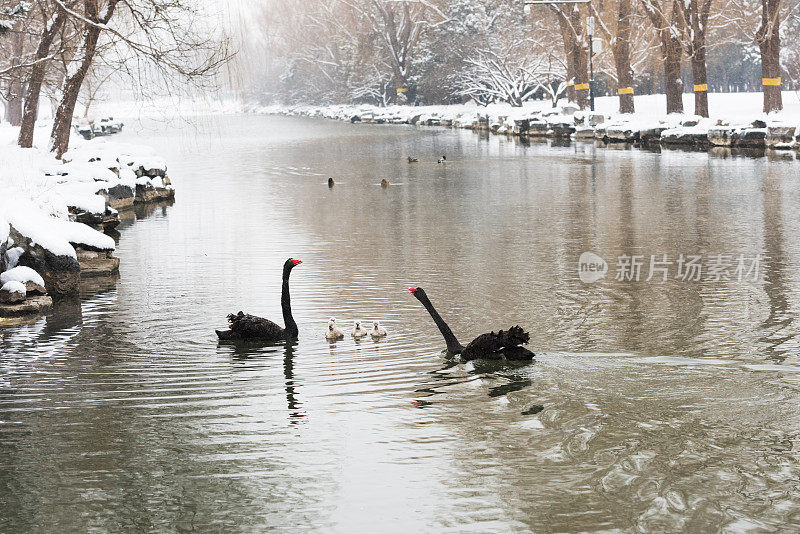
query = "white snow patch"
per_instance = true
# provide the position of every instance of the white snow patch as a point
(82, 196)
(21, 274)
(13, 255)
(14, 287)
(56, 234)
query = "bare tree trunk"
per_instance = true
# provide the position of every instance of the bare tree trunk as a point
(577, 55)
(621, 49)
(673, 85)
(15, 89)
(700, 82)
(568, 40)
(670, 51)
(695, 16)
(62, 124)
(581, 51)
(31, 111)
(769, 42)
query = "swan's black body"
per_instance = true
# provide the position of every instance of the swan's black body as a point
(502, 345)
(245, 327)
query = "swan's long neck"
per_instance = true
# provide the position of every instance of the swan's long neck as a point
(286, 307)
(452, 343)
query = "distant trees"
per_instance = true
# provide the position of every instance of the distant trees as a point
(497, 65)
(12, 16)
(161, 42)
(398, 51)
(398, 26)
(333, 51)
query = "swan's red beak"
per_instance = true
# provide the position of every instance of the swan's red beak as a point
(297, 262)
(412, 289)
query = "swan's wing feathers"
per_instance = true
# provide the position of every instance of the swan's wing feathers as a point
(516, 336)
(251, 326)
(484, 344)
(505, 344)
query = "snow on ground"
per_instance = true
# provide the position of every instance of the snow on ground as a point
(38, 190)
(732, 108)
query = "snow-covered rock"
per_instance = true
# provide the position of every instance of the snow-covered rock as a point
(21, 274)
(12, 292)
(782, 136)
(54, 259)
(750, 137)
(721, 135)
(584, 133)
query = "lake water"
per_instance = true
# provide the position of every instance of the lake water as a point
(652, 405)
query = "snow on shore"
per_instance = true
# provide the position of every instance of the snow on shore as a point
(43, 197)
(735, 112)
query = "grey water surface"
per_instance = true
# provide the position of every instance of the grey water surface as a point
(652, 406)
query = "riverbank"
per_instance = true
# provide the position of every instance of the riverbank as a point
(58, 217)
(736, 122)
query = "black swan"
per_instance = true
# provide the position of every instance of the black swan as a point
(250, 327)
(503, 345)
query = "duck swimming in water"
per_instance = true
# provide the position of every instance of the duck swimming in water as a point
(443, 159)
(412, 160)
(358, 331)
(330, 182)
(384, 183)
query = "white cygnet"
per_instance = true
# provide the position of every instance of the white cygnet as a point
(358, 331)
(333, 333)
(377, 330)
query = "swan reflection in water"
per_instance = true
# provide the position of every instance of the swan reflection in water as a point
(247, 351)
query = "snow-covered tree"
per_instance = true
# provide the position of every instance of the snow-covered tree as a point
(509, 75)
(167, 40)
(399, 25)
(763, 21)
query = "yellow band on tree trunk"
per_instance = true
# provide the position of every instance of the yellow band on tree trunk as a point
(700, 87)
(582, 86)
(625, 90)
(771, 81)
